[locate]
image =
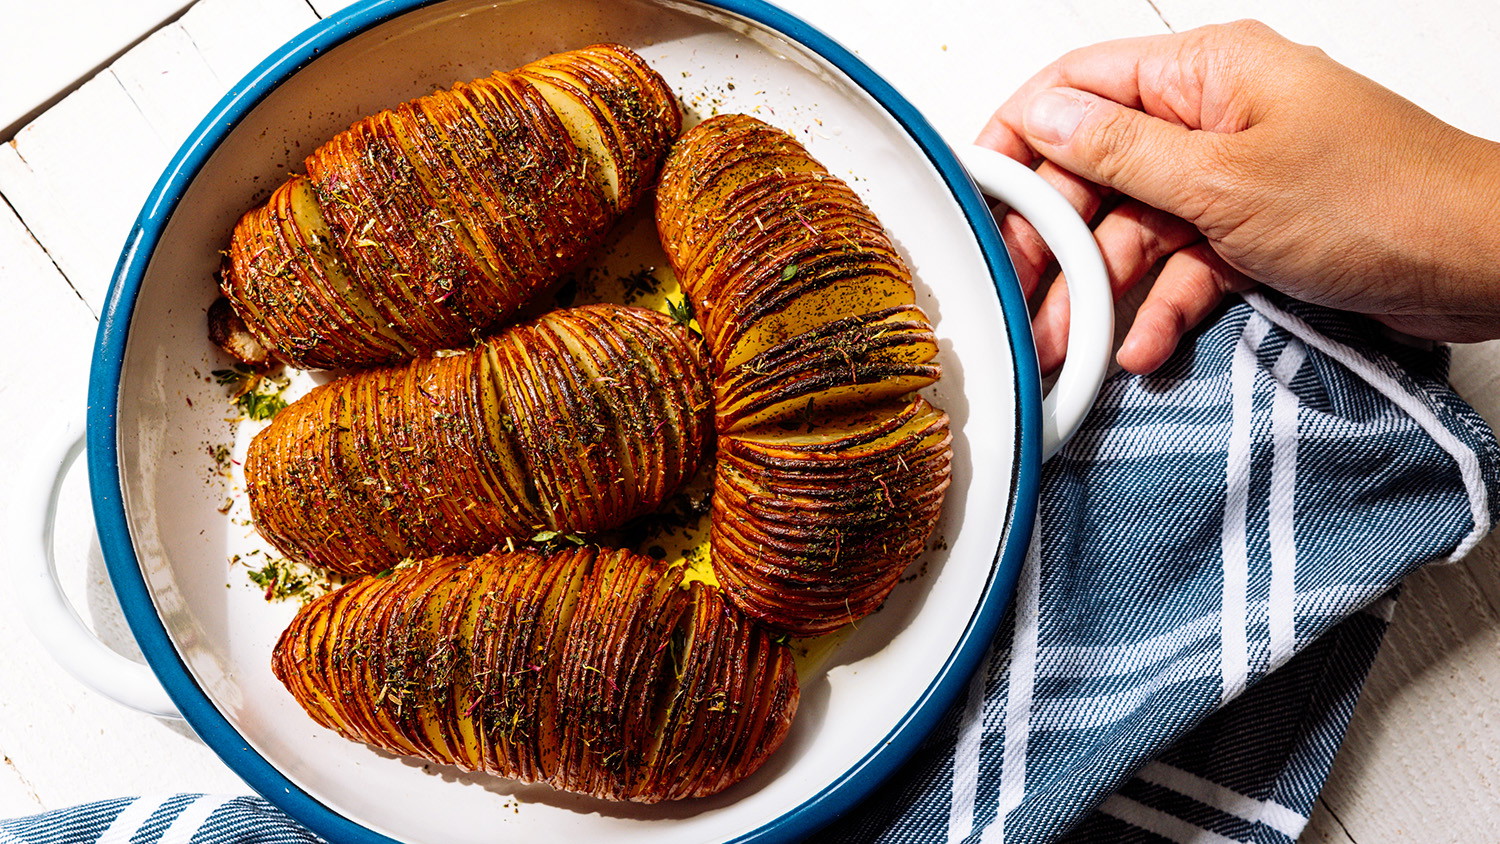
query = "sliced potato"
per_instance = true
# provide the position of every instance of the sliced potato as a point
(593, 671)
(775, 252)
(831, 471)
(420, 227)
(860, 360)
(812, 529)
(543, 427)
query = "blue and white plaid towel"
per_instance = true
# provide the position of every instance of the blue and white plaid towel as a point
(1248, 508)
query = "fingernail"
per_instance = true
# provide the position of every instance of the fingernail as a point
(1051, 116)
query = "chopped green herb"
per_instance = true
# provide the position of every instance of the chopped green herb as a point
(261, 406)
(237, 375)
(283, 579)
(552, 537)
(789, 273)
(681, 310)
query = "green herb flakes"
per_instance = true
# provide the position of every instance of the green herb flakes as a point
(283, 579)
(261, 406)
(259, 397)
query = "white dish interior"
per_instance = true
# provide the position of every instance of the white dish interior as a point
(172, 415)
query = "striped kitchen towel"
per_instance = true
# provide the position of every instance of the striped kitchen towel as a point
(167, 819)
(1213, 569)
(1249, 508)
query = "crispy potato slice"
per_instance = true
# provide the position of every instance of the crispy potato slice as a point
(860, 360)
(812, 529)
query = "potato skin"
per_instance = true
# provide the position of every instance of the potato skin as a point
(593, 671)
(830, 473)
(424, 225)
(575, 422)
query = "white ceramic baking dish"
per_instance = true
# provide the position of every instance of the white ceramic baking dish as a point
(155, 415)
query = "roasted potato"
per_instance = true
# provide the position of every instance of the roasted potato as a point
(593, 671)
(831, 472)
(811, 530)
(799, 292)
(575, 422)
(427, 224)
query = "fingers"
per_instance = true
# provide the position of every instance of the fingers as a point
(1192, 283)
(1049, 328)
(1141, 73)
(1126, 113)
(1031, 255)
(1166, 76)
(1132, 238)
(1157, 162)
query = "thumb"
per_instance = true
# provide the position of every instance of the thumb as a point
(1145, 157)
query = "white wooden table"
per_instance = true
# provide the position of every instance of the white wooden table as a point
(1420, 763)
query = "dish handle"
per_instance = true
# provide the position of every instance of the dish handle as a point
(1091, 321)
(46, 608)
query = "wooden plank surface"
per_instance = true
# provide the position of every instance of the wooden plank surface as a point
(46, 48)
(61, 743)
(1420, 761)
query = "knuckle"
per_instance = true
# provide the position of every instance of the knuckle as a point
(1110, 144)
(1251, 28)
(1214, 273)
(1239, 32)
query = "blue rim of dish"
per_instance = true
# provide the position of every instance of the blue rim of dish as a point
(817, 810)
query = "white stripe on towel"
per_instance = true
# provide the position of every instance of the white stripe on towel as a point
(1097, 661)
(1085, 712)
(966, 756)
(130, 819)
(1234, 658)
(192, 818)
(1019, 688)
(1158, 822)
(1283, 819)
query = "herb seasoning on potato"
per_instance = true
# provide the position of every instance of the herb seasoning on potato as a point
(423, 226)
(597, 672)
(831, 471)
(576, 422)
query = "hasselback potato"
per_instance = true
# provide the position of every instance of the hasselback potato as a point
(593, 671)
(424, 225)
(811, 531)
(798, 290)
(831, 472)
(575, 422)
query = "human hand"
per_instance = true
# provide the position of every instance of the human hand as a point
(1236, 156)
